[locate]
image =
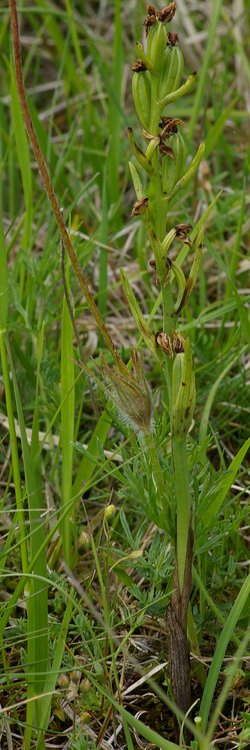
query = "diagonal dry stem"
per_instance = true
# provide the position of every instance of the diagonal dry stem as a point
(50, 190)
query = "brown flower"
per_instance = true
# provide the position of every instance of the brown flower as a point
(178, 343)
(150, 19)
(182, 230)
(173, 39)
(163, 341)
(138, 66)
(167, 13)
(139, 205)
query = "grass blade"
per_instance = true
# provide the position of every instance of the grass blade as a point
(203, 73)
(220, 651)
(67, 423)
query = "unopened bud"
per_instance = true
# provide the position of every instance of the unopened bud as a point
(109, 511)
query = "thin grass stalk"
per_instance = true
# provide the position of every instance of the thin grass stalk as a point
(14, 455)
(37, 596)
(115, 110)
(22, 148)
(103, 260)
(67, 423)
(203, 76)
(4, 303)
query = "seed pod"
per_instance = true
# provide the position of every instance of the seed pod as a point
(172, 169)
(183, 392)
(141, 90)
(171, 72)
(156, 45)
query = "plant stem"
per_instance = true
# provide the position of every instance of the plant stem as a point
(14, 453)
(183, 506)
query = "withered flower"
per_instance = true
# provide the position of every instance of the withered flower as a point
(150, 10)
(167, 13)
(170, 345)
(163, 341)
(178, 343)
(169, 126)
(166, 150)
(138, 66)
(159, 141)
(173, 39)
(182, 230)
(139, 205)
(150, 19)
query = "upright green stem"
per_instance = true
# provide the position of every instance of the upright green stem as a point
(183, 505)
(14, 452)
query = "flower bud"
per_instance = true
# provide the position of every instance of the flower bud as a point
(109, 511)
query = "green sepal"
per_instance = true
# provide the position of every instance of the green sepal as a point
(181, 283)
(137, 314)
(191, 171)
(136, 181)
(140, 156)
(179, 92)
(193, 275)
(141, 54)
(151, 148)
(167, 242)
